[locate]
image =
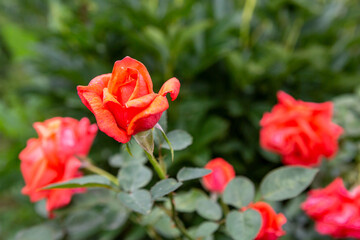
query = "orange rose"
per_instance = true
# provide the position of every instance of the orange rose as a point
(302, 132)
(51, 158)
(271, 222)
(221, 175)
(124, 102)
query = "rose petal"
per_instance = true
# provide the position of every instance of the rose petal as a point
(105, 118)
(125, 63)
(140, 88)
(141, 101)
(285, 98)
(171, 86)
(149, 117)
(95, 86)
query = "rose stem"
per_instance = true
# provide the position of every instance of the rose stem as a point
(162, 175)
(89, 166)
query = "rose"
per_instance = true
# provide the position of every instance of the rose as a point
(271, 222)
(123, 101)
(51, 158)
(302, 132)
(222, 173)
(335, 210)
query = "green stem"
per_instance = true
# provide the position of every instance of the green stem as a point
(179, 224)
(224, 207)
(174, 216)
(89, 166)
(156, 165)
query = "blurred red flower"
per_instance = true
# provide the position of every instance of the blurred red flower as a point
(271, 222)
(222, 173)
(335, 210)
(302, 132)
(51, 158)
(124, 102)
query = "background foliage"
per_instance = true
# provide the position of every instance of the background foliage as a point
(230, 56)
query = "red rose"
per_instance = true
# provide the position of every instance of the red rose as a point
(124, 102)
(222, 173)
(335, 210)
(51, 158)
(271, 222)
(302, 132)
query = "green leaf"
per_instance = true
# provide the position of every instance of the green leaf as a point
(115, 215)
(19, 40)
(164, 187)
(179, 139)
(206, 229)
(208, 209)
(166, 227)
(84, 223)
(139, 201)
(83, 182)
(187, 173)
(146, 140)
(40, 208)
(186, 202)
(124, 158)
(239, 192)
(286, 182)
(133, 177)
(152, 217)
(41, 232)
(243, 225)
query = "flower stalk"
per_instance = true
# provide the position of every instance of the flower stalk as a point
(179, 224)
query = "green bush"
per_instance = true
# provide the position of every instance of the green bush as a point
(230, 56)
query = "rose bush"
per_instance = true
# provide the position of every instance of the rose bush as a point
(335, 210)
(124, 105)
(124, 102)
(51, 158)
(301, 132)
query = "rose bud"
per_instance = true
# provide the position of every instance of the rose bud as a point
(221, 175)
(124, 102)
(51, 158)
(301, 132)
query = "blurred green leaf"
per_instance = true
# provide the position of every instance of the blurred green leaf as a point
(115, 216)
(206, 229)
(139, 201)
(286, 182)
(82, 182)
(166, 227)
(186, 201)
(134, 176)
(164, 187)
(19, 40)
(179, 139)
(208, 209)
(239, 192)
(82, 224)
(44, 231)
(243, 225)
(186, 173)
(124, 158)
